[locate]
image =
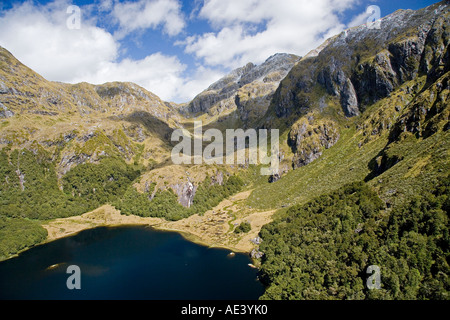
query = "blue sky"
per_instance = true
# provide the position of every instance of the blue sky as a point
(173, 48)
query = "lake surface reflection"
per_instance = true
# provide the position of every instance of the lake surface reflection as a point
(129, 263)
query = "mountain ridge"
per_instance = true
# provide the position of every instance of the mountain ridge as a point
(83, 97)
(247, 89)
(364, 139)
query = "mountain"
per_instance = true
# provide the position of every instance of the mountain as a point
(394, 78)
(24, 91)
(364, 152)
(362, 65)
(247, 90)
(73, 116)
(366, 119)
(68, 149)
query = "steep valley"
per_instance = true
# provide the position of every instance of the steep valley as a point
(364, 162)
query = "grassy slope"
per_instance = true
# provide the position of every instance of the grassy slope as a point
(341, 164)
(425, 159)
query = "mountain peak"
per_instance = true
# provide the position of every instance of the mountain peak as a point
(24, 91)
(223, 94)
(362, 65)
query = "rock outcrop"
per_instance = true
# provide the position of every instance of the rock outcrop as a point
(256, 254)
(248, 89)
(219, 91)
(361, 65)
(186, 193)
(4, 112)
(23, 91)
(308, 138)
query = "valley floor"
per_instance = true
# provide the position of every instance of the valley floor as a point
(103, 216)
(213, 229)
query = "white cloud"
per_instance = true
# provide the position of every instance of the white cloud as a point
(156, 72)
(199, 81)
(244, 31)
(38, 36)
(358, 20)
(40, 39)
(368, 16)
(161, 74)
(294, 26)
(105, 5)
(145, 14)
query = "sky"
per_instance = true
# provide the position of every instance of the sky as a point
(173, 48)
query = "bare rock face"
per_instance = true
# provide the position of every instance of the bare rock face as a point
(186, 196)
(3, 88)
(349, 101)
(217, 179)
(274, 178)
(68, 161)
(253, 100)
(427, 114)
(308, 139)
(221, 90)
(256, 254)
(249, 89)
(361, 66)
(338, 84)
(435, 56)
(187, 190)
(4, 112)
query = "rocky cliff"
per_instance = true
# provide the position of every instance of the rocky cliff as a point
(361, 66)
(309, 137)
(82, 122)
(248, 89)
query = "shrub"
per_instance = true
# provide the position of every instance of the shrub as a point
(244, 227)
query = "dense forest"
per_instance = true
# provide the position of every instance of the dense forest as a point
(322, 250)
(31, 193)
(164, 203)
(18, 234)
(31, 187)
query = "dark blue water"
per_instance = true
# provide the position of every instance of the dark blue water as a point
(129, 263)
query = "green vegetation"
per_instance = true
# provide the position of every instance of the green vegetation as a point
(321, 250)
(209, 195)
(344, 163)
(244, 227)
(164, 203)
(29, 187)
(29, 191)
(378, 196)
(96, 184)
(18, 234)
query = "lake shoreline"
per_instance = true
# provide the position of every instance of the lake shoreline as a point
(108, 216)
(213, 229)
(128, 262)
